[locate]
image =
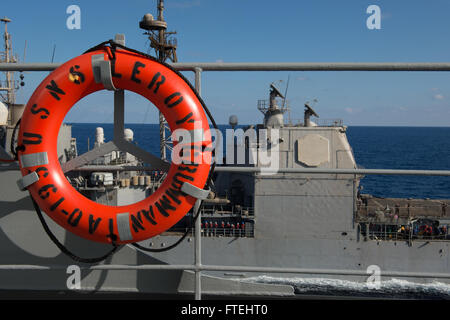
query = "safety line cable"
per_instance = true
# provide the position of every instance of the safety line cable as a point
(61, 247)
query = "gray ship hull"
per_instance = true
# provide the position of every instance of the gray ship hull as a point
(30, 262)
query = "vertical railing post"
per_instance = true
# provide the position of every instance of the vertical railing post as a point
(198, 222)
(198, 80)
(119, 111)
(355, 198)
(198, 252)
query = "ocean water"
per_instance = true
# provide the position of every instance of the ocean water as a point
(421, 148)
(426, 148)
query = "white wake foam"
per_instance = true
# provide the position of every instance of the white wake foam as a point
(392, 287)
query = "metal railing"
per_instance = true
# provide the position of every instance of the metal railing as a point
(405, 232)
(225, 232)
(267, 66)
(198, 68)
(395, 212)
(319, 122)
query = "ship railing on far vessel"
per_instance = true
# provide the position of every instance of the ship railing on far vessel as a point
(404, 232)
(198, 68)
(319, 122)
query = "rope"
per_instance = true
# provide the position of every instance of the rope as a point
(62, 247)
(172, 245)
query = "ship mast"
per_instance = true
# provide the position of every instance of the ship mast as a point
(165, 48)
(7, 57)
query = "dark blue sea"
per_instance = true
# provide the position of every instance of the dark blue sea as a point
(425, 148)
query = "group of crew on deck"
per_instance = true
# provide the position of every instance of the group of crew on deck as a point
(417, 229)
(424, 230)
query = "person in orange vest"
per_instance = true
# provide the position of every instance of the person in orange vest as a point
(428, 230)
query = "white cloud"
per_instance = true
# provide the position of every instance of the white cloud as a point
(349, 110)
(438, 96)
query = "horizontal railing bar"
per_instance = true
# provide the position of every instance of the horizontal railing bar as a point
(261, 170)
(323, 271)
(314, 66)
(9, 166)
(336, 171)
(114, 168)
(232, 268)
(30, 66)
(267, 66)
(282, 170)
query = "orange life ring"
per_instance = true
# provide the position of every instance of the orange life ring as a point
(40, 125)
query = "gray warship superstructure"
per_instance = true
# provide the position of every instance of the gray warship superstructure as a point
(305, 219)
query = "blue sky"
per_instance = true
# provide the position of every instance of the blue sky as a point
(262, 31)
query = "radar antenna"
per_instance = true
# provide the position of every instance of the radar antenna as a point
(274, 93)
(273, 114)
(309, 111)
